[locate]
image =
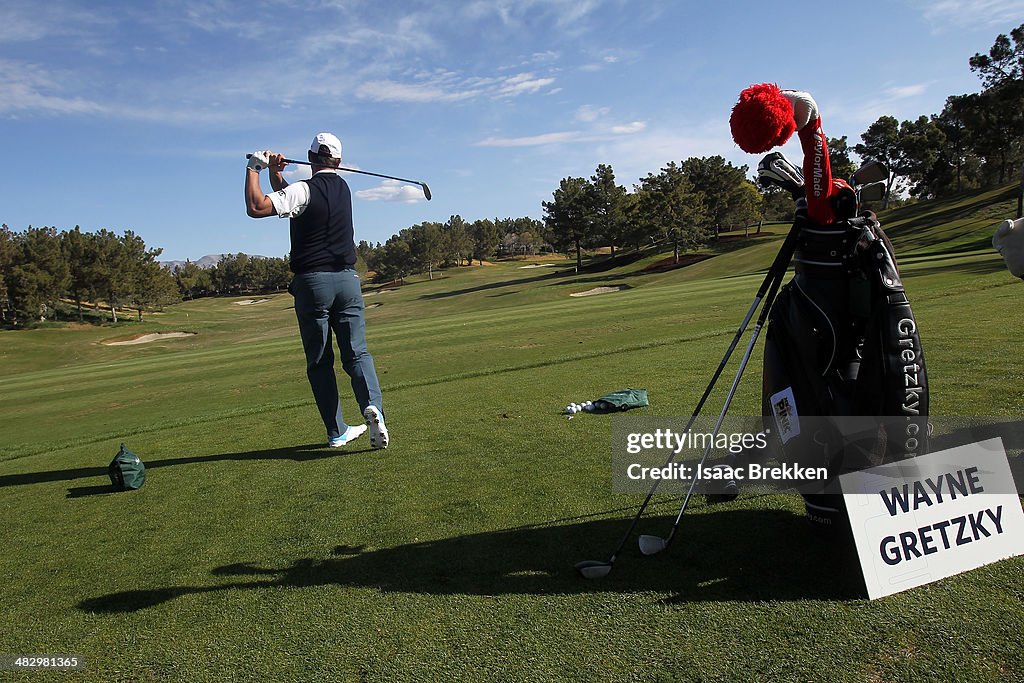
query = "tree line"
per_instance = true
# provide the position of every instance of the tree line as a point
(425, 247)
(41, 268)
(684, 204)
(976, 141)
(233, 274)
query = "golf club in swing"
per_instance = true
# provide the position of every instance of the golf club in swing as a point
(423, 186)
(595, 569)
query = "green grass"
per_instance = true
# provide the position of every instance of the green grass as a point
(252, 553)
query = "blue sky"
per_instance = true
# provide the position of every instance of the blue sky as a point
(138, 115)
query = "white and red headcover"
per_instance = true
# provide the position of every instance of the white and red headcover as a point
(766, 117)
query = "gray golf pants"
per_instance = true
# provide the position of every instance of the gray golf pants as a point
(327, 303)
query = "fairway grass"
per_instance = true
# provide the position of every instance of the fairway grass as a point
(254, 553)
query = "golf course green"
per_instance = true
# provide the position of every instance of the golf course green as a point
(255, 553)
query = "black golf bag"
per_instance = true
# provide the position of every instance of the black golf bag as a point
(845, 385)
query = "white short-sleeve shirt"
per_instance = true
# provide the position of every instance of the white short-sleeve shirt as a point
(292, 200)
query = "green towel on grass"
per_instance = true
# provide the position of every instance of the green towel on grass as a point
(621, 400)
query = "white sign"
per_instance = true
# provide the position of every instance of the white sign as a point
(919, 520)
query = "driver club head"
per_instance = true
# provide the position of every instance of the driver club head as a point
(776, 169)
(651, 545)
(593, 569)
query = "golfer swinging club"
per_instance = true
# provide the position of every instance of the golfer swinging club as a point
(326, 286)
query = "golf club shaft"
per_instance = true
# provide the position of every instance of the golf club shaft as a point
(426, 190)
(771, 281)
(785, 254)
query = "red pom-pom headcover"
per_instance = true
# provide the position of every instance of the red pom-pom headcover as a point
(762, 119)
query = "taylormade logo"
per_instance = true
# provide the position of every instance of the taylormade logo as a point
(819, 158)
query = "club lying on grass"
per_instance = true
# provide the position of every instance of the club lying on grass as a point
(423, 185)
(595, 569)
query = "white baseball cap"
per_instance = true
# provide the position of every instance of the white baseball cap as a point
(328, 140)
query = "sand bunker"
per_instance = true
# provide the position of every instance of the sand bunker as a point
(379, 291)
(598, 290)
(537, 265)
(146, 338)
(250, 302)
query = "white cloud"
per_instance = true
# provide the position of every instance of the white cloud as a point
(448, 86)
(565, 14)
(956, 15)
(297, 172)
(547, 56)
(629, 128)
(531, 141)
(392, 191)
(390, 91)
(560, 137)
(523, 83)
(589, 113)
(900, 92)
(49, 20)
(28, 87)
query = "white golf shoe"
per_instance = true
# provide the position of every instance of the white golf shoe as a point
(378, 431)
(350, 435)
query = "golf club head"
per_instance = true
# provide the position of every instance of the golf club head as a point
(872, 192)
(776, 169)
(593, 569)
(651, 545)
(426, 191)
(869, 172)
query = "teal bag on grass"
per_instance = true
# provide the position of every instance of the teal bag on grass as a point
(126, 471)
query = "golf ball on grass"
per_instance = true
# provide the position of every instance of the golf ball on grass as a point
(574, 408)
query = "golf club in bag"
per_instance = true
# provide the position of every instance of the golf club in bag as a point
(842, 340)
(423, 185)
(592, 569)
(774, 169)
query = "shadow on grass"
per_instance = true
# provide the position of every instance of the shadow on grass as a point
(725, 554)
(497, 285)
(296, 453)
(982, 268)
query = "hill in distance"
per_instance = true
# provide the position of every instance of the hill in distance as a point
(208, 261)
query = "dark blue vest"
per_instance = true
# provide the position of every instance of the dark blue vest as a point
(322, 236)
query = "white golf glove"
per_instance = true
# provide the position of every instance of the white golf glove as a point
(259, 160)
(805, 109)
(1009, 241)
